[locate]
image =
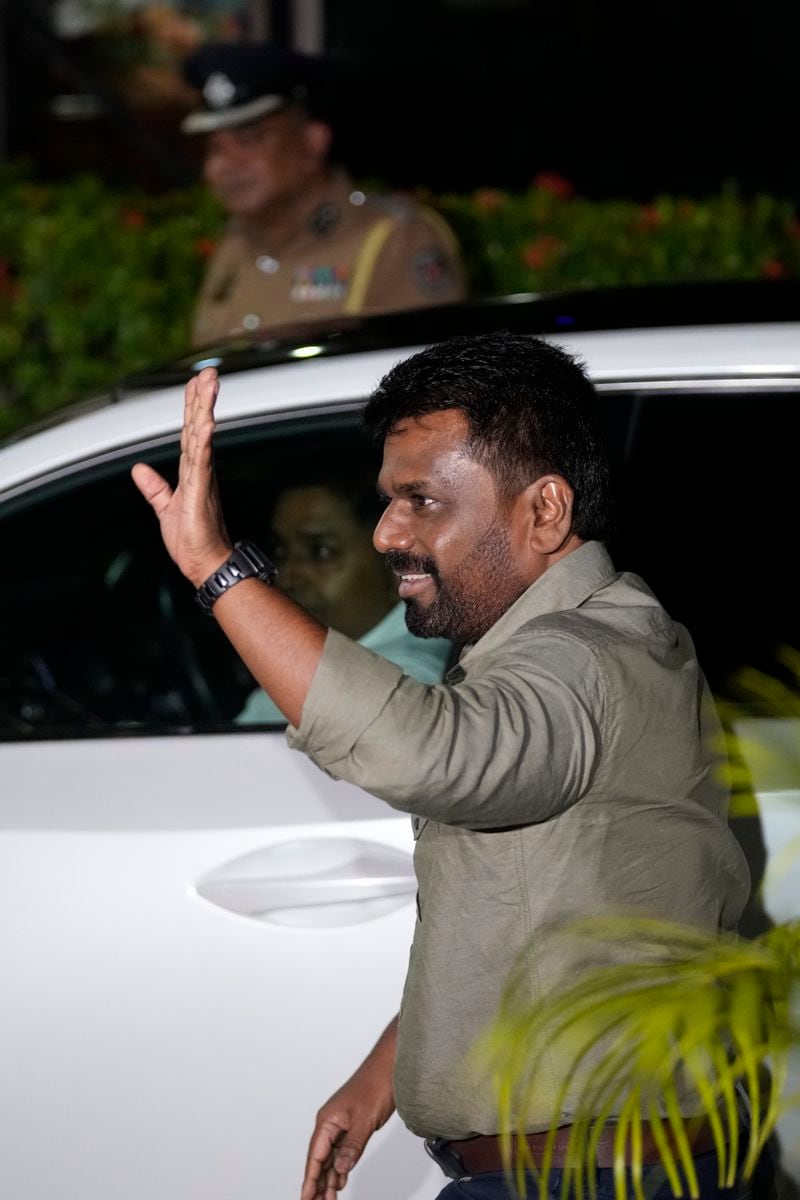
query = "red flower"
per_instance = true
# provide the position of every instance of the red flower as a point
(541, 252)
(773, 268)
(649, 217)
(555, 184)
(133, 218)
(488, 199)
(205, 247)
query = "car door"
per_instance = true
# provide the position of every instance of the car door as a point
(201, 933)
(708, 513)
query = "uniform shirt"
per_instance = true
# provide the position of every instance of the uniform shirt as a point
(350, 253)
(421, 658)
(567, 769)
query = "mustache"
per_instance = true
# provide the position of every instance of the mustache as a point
(407, 564)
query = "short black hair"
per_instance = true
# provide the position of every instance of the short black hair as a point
(351, 481)
(531, 410)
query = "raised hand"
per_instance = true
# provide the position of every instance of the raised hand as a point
(191, 520)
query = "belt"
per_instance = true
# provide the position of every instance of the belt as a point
(482, 1153)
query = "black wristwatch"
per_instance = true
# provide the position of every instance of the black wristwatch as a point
(246, 562)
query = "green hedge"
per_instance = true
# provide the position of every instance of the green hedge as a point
(92, 284)
(95, 283)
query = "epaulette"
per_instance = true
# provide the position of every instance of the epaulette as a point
(401, 208)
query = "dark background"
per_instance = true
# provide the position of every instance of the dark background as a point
(623, 100)
(458, 94)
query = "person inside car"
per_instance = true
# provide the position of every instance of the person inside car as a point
(321, 542)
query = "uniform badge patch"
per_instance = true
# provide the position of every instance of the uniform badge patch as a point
(316, 283)
(431, 269)
(323, 219)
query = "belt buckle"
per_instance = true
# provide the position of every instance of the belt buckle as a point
(440, 1150)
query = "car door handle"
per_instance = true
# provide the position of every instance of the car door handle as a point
(313, 874)
(252, 897)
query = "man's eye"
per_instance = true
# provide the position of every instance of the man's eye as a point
(323, 552)
(251, 137)
(421, 501)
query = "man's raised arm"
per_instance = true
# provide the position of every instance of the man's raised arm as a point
(278, 641)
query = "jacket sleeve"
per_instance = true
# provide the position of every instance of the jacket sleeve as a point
(513, 744)
(211, 316)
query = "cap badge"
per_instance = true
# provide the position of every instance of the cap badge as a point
(218, 90)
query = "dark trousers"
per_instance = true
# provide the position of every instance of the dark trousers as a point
(495, 1185)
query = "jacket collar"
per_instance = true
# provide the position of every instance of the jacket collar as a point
(567, 584)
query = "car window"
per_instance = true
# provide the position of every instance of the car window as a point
(100, 635)
(708, 513)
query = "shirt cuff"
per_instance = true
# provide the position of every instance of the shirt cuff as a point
(350, 688)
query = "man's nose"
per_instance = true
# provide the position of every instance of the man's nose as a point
(392, 532)
(294, 571)
(214, 171)
(219, 163)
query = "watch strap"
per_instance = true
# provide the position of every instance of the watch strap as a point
(245, 562)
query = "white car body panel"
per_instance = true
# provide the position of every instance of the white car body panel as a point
(710, 352)
(132, 1061)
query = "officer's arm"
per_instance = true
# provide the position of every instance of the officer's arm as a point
(419, 265)
(211, 317)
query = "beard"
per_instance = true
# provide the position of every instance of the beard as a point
(472, 597)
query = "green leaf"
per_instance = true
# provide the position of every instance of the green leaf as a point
(687, 1018)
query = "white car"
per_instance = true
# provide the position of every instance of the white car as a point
(202, 934)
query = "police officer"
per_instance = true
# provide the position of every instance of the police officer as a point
(303, 240)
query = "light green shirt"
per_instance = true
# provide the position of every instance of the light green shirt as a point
(421, 658)
(565, 769)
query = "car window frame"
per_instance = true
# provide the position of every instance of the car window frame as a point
(140, 449)
(47, 487)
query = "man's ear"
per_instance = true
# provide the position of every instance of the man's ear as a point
(548, 505)
(317, 137)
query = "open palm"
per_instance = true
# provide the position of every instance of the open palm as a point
(190, 516)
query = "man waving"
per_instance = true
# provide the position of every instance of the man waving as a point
(563, 768)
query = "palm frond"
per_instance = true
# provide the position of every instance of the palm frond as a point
(668, 1033)
(752, 694)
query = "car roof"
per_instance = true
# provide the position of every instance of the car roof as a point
(590, 309)
(319, 367)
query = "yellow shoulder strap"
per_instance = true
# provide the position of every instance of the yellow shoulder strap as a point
(365, 264)
(437, 221)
